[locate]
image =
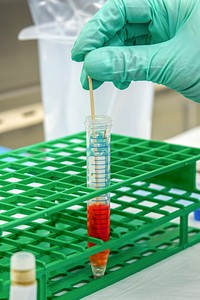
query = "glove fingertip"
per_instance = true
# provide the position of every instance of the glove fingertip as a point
(122, 85)
(97, 84)
(85, 83)
(76, 56)
(84, 80)
(76, 53)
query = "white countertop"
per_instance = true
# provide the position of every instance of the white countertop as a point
(189, 138)
(175, 278)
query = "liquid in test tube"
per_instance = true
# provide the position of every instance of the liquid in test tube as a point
(98, 177)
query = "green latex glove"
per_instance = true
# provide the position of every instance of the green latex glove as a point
(153, 40)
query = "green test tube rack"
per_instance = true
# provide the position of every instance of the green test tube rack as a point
(43, 199)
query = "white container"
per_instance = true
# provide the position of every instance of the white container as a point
(65, 102)
(23, 276)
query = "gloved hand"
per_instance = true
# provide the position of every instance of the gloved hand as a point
(153, 40)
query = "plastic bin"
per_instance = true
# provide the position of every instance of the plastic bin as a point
(43, 210)
(65, 102)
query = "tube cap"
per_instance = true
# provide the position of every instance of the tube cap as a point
(22, 261)
(197, 215)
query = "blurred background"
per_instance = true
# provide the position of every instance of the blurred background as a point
(21, 108)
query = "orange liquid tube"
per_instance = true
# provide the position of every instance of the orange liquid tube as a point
(98, 177)
(99, 227)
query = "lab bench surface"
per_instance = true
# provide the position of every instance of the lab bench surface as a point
(175, 278)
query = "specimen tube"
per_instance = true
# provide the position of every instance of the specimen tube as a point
(98, 177)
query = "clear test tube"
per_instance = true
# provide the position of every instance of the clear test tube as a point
(98, 177)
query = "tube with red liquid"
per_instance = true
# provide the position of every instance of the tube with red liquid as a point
(98, 177)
